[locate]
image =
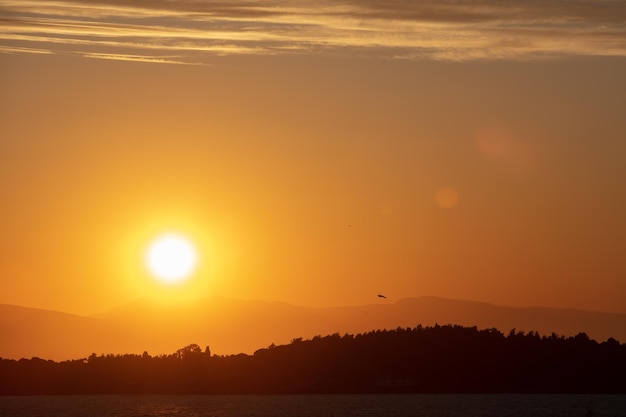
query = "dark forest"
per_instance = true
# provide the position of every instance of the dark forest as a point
(439, 359)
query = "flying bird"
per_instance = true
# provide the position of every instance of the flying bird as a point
(381, 296)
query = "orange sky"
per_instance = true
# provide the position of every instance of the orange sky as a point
(316, 155)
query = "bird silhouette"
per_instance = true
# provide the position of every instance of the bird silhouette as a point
(381, 296)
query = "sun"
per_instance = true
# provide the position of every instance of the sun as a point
(171, 258)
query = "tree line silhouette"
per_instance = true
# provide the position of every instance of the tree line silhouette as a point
(438, 359)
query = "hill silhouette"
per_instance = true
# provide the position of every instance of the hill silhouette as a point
(438, 359)
(28, 332)
(236, 326)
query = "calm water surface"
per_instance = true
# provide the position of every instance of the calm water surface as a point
(316, 406)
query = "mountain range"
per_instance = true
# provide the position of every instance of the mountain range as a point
(230, 326)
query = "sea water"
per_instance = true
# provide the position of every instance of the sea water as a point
(315, 405)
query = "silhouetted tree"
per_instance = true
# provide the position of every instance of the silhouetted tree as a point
(188, 351)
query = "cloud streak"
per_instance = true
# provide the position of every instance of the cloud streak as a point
(197, 31)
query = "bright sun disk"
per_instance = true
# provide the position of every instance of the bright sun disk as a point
(171, 258)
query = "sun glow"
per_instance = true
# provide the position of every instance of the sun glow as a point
(171, 258)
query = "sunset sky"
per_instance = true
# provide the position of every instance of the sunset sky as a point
(315, 152)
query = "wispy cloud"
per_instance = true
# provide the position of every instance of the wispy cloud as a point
(194, 31)
(18, 49)
(136, 58)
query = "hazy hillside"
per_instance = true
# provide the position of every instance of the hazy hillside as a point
(28, 332)
(234, 326)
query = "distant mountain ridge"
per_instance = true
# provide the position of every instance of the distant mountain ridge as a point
(28, 332)
(232, 326)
